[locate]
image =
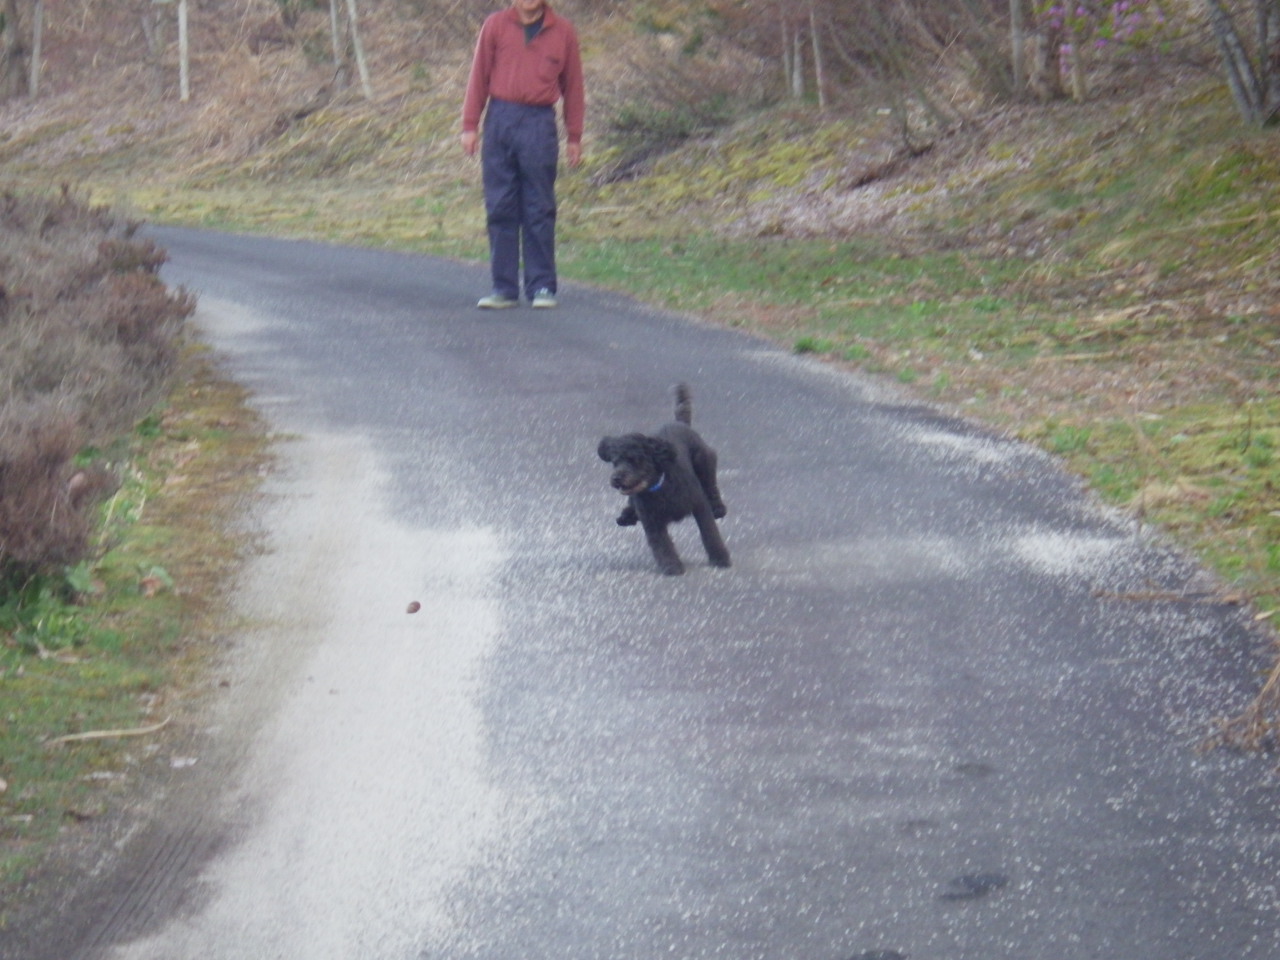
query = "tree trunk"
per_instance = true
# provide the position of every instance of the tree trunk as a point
(1018, 41)
(37, 47)
(335, 32)
(819, 70)
(784, 33)
(184, 54)
(1249, 86)
(1269, 55)
(153, 24)
(797, 64)
(1044, 78)
(1078, 78)
(361, 65)
(15, 53)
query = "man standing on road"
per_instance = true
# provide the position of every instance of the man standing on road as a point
(526, 59)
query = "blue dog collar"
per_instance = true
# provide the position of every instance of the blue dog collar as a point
(657, 486)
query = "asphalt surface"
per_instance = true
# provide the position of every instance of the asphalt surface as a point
(942, 707)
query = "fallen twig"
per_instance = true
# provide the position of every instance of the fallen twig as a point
(107, 734)
(1075, 357)
(1253, 728)
(1171, 596)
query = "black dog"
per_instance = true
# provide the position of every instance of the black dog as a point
(667, 477)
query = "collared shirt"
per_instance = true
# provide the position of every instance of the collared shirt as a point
(536, 73)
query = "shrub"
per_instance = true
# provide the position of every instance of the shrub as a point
(658, 98)
(88, 342)
(38, 525)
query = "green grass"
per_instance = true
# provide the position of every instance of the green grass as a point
(116, 650)
(850, 288)
(1205, 472)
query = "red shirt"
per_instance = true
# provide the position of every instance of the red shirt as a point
(538, 73)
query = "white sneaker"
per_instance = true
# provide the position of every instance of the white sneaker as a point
(496, 301)
(544, 299)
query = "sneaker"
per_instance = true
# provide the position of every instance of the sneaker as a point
(496, 301)
(544, 299)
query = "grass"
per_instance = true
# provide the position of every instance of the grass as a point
(1206, 473)
(124, 653)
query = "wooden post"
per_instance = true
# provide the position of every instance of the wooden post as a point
(184, 54)
(37, 43)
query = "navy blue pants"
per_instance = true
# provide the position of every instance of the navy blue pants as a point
(519, 154)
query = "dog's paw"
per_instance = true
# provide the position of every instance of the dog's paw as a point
(719, 511)
(627, 518)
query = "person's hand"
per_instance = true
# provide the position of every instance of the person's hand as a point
(469, 140)
(574, 151)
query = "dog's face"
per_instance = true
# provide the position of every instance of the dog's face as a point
(638, 461)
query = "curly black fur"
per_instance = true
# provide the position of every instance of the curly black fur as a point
(666, 477)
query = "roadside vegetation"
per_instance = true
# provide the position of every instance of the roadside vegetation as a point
(122, 458)
(88, 340)
(1083, 250)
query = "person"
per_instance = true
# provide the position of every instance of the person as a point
(526, 59)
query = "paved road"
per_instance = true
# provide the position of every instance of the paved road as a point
(941, 707)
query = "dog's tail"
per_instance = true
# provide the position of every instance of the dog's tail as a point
(684, 403)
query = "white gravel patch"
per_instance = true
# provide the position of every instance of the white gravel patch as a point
(979, 449)
(366, 795)
(1064, 554)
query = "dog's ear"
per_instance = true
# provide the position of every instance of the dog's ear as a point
(662, 452)
(607, 449)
